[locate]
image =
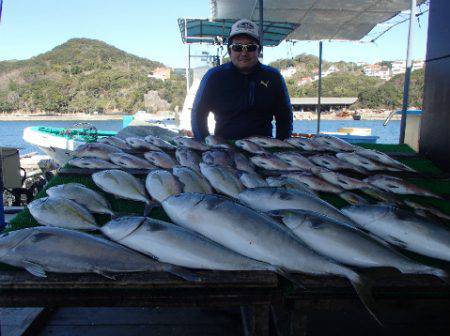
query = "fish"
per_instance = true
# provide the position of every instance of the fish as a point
(268, 142)
(217, 157)
(190, 143)
(348, 245)
(160, 159)
(306, 144)
(289, 183)
(251, 180)
(125, 160)
(398, 186)
(158, 142)
(121, 184)
(188, 158)
(191, 180)
(242, 163)
(222, 179)
(332, 163)
(95, 150)
(161, 184)
(116, 142)
(249, 146)
(61, 212)
(254, 235)
(215, 141)
(271, 162)
(383, 158)
(403, 229)
(47, 249)
(352, 198)
(333, 143)
(314, 183)
(340, 180)
(92, 163)
(82, 195)
(140, 144)
(428, 209)
(274, 198)
(363, 162)
(177, 245)
(296, 160)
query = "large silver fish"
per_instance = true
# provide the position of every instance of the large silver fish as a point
(314, 183)
(242, 163)
(363, 162)
(191, 180)
(306, 144)
(130, 161)
(420, 208)
(177, 245)
(92, 163)
(82, 195)
(249, 146)
(403, 229)
(188, 158)
(340, 180)
(252, 234)
(121, 184)
(158, 142)
(140, 144)
(271, 162)
(215, 141)
(289, 183)
(333, 143)
(223, 179)
(333, 163)
(95, 150)
(190, 143)
(218, 157)
(398, 186)
(160, 159)
(252, 180)
(161, 184)
(267, 142)
(295, 160)
(273, 198)
(45, 249)
(381, 157)
(348, 245)
(116, 142)
(61, 212)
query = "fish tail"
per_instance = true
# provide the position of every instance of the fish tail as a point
(363, 288)
(182, 273)
(440, 273)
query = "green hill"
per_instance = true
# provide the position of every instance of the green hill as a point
(83, 75)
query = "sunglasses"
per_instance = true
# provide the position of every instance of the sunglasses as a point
(241, 47)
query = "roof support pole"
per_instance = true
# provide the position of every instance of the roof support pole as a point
(319, 94)
(261, 27)
(188, 56)
(2, 209)
(408, 71)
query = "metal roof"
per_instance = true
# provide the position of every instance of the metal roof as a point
(323, 100)
(316, 19)
(217, 31)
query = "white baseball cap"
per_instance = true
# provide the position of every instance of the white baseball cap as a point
(246, 27)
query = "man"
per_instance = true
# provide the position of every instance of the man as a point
(244, 95)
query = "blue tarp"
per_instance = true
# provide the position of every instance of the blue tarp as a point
(216, 32)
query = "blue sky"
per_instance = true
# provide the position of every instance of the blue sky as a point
(148, 28)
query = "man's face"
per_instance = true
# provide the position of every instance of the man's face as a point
(244, 60)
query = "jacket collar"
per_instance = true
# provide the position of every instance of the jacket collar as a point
(255, 69)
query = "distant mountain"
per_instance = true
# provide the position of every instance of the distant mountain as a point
(347, 79)
(83, 75)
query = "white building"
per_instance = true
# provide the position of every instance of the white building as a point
(288, 72)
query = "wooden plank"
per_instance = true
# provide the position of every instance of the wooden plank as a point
(255, 320)
(24, 322)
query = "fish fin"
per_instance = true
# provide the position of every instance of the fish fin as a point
(183, 273)
(289, 276)
(398, 242)
(149, 207)
(35, 269)
(105, 274)
(363, 287)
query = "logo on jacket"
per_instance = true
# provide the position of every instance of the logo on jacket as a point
(266, 83)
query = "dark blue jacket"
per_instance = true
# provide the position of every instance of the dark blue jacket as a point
(243, 105)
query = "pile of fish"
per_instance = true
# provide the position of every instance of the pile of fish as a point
(232, 211)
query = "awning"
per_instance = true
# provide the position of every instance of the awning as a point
(316, 19)
(216, 32)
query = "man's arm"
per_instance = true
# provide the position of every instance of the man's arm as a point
(283, 112)
(200, 110)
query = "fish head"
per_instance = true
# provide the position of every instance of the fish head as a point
(41, 204)
(119, 228)
(178, 206)
(9, 240)
(362, 214)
